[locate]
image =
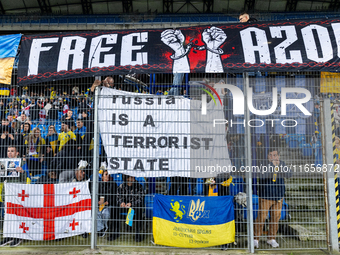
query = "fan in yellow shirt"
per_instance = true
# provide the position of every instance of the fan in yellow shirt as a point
(65, 135)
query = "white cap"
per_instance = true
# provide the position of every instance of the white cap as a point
(82, 164)
(103, 166)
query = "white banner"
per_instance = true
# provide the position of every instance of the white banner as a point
(152, 136)
(47, 211)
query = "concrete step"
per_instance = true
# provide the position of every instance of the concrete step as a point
(304, 194)
(307, 216)
(305, 203)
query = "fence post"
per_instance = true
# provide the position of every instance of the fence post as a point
(95, 173)
(247, 141)
(327, 143)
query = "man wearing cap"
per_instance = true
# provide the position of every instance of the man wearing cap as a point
(76, 175)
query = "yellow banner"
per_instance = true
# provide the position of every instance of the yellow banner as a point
(6, 67)
(1, 187)
(330, 82)
(192, 236)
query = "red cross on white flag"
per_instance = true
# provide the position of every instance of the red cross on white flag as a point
(46, 211)
(23, 227)
(74, 192)
(74, 224)
(23, 195)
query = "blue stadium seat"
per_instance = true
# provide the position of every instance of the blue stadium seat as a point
(152, 185)
(141, 181)
(44, 134)
(42, 128)
(306, 150)
(292, 141)
(60, 115)
(301, 139)
(148, 201)
(58, 126)
(199, 190)
(237, 187)
(118, 178)
(260, 84)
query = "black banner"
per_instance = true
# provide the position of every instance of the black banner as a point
(311, 45)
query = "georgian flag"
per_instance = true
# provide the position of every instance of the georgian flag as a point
(42, 116)
(47, 211)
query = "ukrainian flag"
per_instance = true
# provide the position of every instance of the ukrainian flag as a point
(53, 142)
(8, 50)
(191, 222)
(4, 91)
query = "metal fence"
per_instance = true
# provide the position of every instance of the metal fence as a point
(296, 140)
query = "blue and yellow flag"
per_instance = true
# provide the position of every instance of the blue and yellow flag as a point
(53, 142)
(4, 91)
(8, 50)
(191, 222)
(129, 217)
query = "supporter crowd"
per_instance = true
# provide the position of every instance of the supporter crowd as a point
(52, 130)
(52, 133)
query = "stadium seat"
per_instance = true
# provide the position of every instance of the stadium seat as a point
(141, 181)
(60, 115)
(148, 201)
(199, 190)
(42, 128)
(306, 150)
(117, 178)
(238, 187)
(158, 185)
(292, 141)
(280, 82)
(301, 139)
(260, 84)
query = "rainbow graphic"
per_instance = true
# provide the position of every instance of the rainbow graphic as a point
(211, 95)
(8, 49)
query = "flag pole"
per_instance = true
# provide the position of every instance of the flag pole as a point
(95, 175)
(247, 133)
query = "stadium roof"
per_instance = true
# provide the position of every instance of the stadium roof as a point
(89, 7)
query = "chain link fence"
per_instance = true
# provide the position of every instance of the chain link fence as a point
(52, 127)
